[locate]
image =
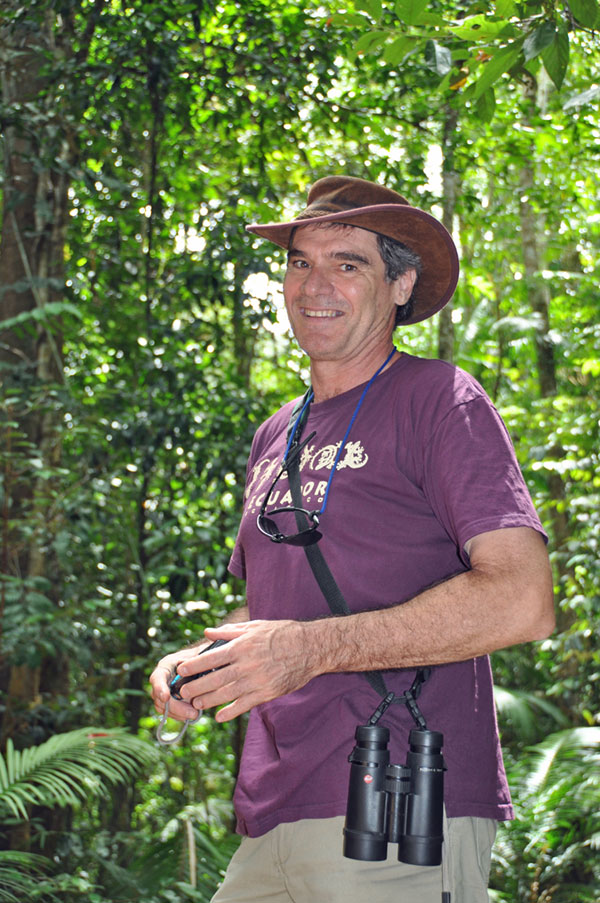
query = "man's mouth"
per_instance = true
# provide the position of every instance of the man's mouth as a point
(322, 314)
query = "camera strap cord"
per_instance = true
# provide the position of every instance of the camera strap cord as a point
(327, 583)
(168, 739)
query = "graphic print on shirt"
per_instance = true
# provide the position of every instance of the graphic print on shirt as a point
(313, 459)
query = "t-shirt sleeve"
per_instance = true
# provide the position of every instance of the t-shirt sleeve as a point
(471, 475)
(276, 425)
(237, 562)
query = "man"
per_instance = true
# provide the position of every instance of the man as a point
(431, 536)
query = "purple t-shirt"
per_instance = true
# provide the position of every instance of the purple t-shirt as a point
(428, 465)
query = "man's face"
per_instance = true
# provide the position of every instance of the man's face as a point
(339, 304)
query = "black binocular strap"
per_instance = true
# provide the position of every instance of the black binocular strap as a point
(327, 583)
(324, 577)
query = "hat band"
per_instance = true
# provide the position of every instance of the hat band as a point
(324, 209)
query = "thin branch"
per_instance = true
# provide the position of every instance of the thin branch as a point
(36, 295)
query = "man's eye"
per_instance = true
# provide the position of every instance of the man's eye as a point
(348, 267)
(298, 264)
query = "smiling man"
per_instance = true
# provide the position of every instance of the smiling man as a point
(341, 307)
(407, 481)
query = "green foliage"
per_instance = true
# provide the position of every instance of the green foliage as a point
(471, 50)
(20, 876)
(185, 863)
(66, 770)
(550, 850)
(175, 125)
(521, 711)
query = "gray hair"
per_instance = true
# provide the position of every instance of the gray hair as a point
(398, 258)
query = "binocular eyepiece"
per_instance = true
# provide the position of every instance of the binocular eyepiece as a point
(400, 804)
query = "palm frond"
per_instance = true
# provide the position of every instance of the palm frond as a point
(68, 767)
(18, 874)
(559, 748)
(521, 709)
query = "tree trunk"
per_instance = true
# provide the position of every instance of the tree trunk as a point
(532, 232)
(450, 181)
(32, 275)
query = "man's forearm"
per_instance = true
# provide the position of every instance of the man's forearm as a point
(237, 615)
(505, 598)
(487, 608)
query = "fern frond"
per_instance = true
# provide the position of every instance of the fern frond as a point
(559, 748)
(18, 872)
(69, 767)
(522, 709)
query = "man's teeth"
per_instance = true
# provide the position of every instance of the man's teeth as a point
(321, 313)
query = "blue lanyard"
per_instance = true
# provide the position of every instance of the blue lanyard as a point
(304, 408)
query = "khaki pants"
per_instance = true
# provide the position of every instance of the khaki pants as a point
(302, 862)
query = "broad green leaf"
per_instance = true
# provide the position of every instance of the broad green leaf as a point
(438, 58)
(537, 41)
(478, 28)
(431, 19)
(410, 11)
(585, 11)
(506, 8)
(556, 58)
(348, 19)
(486, 105)
(396, 51)
(500, 63)
(373, 7)
(368, 42)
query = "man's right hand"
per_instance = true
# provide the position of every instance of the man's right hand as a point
(164, 672)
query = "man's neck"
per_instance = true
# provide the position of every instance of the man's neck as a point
(329, 379)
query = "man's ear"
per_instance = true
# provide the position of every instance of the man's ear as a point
(403, 286)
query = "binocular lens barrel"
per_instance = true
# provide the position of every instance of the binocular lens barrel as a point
(365, 834)
(421, 843)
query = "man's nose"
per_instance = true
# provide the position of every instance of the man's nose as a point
(317, 281)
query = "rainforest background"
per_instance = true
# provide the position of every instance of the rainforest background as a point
(142, 342)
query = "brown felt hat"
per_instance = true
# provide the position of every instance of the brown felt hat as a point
(356, 202)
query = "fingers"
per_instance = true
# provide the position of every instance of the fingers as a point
(255, 666)
(260, 661)
(214, 688)
(180, 710)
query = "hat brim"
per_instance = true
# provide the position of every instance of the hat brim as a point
(416, 228)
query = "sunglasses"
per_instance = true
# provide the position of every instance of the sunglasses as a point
(279, 523)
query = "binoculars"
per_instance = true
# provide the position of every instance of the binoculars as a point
(400, 804)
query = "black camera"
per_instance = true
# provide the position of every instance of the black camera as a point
(400, 804)
(176, 683)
